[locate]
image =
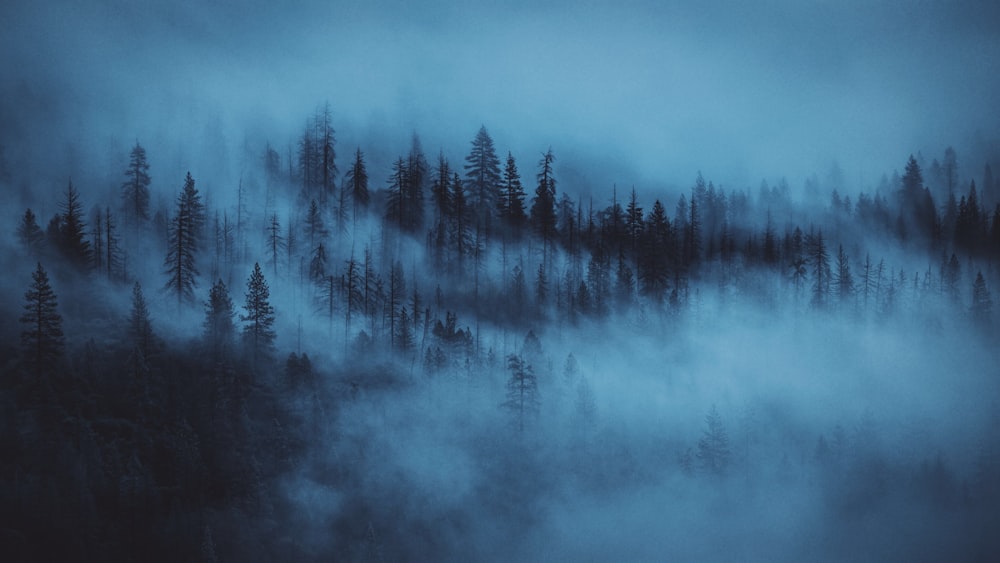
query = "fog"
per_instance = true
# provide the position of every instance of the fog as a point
(651, 91)
(796, 360)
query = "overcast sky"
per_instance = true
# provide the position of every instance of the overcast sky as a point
(654, 91)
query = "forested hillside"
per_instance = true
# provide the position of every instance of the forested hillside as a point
(471, 359)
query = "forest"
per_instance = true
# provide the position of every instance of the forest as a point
(472, 359)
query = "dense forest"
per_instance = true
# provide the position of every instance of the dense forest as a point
(471, 359)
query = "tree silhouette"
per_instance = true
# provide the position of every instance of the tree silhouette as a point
(522, 391)
(218, 324)
(982, 302)
(482, 175)
(135, 189)
(140, 329)
(180, 261)
(258, 331)
(71, 240)
(713, 448)
(543, 210)
(357, 184)
(29, 234)
(510, 205)
(42, 337)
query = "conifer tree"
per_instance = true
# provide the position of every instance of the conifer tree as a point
(482, 174)
(357, 185)
(396, 202)
(522, 391)
(258, 327)
(275, 243)
(72, 241)
(29, 234)
(982, 302)
(714, 454)
(219, 327)
(191, 200)
(180, 261)
(315, 229)
(510, 206)
(843, 280)
(140, 328)
(417, 171)
(135, 189)
(543, 211)
(441, 191)
(42, 336)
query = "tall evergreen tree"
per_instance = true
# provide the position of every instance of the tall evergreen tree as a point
(510, 206)
(42, 336)
(357, 184)
(714, 454)
(275, 243)
(982, 302)
(543, 210)
(135, 189)
(819, 259)
(258, 327)
(327, 154)
(315, 229)
(72, 241)
(219, 327)
(843, 281)
(180, 261)
(417, 172)
(29, 234)
(396, 203)
(482, 173)
(522, 391)
(140, 328)
(195, 216)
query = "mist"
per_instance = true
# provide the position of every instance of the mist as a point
(524, 282)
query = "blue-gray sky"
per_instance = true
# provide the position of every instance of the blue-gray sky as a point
(741, 91)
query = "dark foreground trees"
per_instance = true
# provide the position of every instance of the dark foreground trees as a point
(42, 336)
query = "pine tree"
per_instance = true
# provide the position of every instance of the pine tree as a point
(275, 243)
(654, 253)
(482, 173)
(180, 261)
(327, 154)
(135, 189)
(317, 265)
(460, 233)
(982, 302)
(819, 258)
(357, 184)
(441, 190)
(522, 391)
(843, 281)
(543, 211)
(219, 327)
(510, 206)
(140, 329)
(416, 178)
(191, 200)
(42, 337)
(315, 229)
(714, 454)
(258, 328)
(395, 207)
(29, 234)
(541, 287)
(72, 241)
(404, 331)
